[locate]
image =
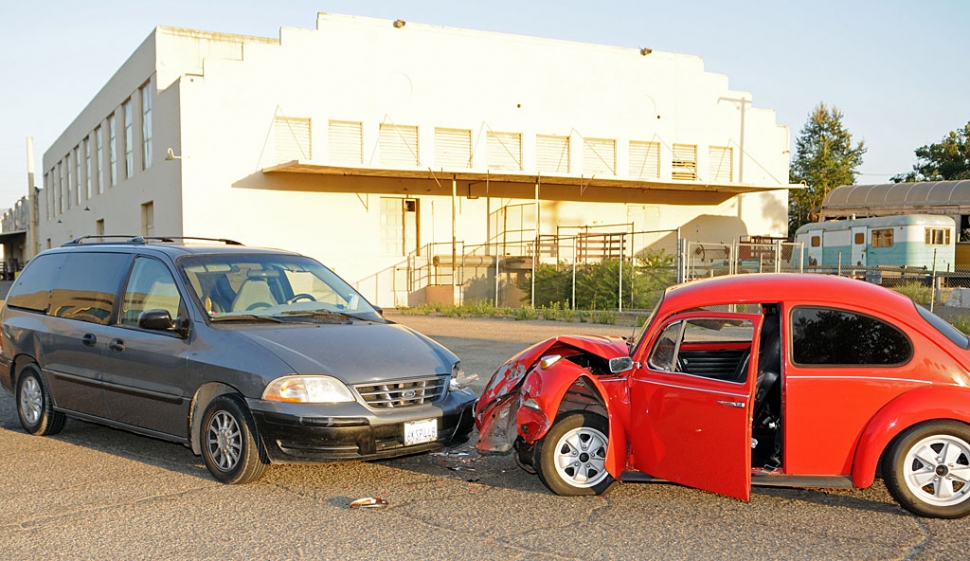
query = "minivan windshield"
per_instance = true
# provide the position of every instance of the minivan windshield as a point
(261, 287)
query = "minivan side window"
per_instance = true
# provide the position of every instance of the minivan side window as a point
(32, 291)
(829, 337)
(150, 287)
(87, 287)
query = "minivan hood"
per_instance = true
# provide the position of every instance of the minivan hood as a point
(355, 353)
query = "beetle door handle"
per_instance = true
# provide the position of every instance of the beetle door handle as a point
(738, 404)
(116, 345)
(89, 340)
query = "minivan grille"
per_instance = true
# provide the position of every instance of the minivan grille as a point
(402, 393)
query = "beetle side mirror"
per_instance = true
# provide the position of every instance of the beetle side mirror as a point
(621, 364)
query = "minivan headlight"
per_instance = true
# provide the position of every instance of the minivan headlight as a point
(308, 389)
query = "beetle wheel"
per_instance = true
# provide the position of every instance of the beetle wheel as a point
(572, 456)
(927, 469)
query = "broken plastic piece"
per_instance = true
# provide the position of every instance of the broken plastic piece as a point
(369, 502)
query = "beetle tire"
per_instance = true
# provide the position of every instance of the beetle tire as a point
(230, 450)
(34, 406)
(569, 458)
(926, 469)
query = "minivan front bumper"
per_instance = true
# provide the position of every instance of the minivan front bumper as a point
(302, 434)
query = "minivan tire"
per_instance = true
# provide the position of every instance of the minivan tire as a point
(34, 406)
(230, 447)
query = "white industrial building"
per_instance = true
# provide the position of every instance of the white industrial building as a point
(380, 146)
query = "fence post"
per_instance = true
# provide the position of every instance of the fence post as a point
(575, 259)
(778, 256)
(619, 296)
(933, 282)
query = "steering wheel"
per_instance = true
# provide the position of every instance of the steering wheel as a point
(301, 296)
(257, 305)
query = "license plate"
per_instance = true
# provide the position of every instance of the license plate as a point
(419, 432)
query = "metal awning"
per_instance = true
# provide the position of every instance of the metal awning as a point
(511, 179)
(927, 197)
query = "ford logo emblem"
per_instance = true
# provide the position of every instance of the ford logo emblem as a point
(408, 394)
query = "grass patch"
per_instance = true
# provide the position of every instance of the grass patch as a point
(557, 311)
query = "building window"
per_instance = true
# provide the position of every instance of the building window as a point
(398, 146)
(113, 148)
(552, 153)
(292, 139)
(599, 156)
(129, 141)
(146, 125)
(88, 170)
(69, 170)
(48, 192)
(148, 219)
(99, 227)
(60, 187)
(346, 142)
(860, 238)
(645, 159)
(937, 236)
(720, 164)
(504, 151)
(453, 148)
(882, 237)
(99, 177)
(78, 181)
(684, 162)
(816, 241)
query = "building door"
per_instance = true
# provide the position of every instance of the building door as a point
(400, 234)
(859, 234)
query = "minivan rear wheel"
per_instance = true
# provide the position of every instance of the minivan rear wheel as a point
(230, 449)
(34, 406)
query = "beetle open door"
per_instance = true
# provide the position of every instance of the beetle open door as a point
(692, 401)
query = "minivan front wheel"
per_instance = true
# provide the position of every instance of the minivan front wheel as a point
(34, 406)
(229, 447)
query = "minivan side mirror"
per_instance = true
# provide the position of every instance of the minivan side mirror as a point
(161, 320)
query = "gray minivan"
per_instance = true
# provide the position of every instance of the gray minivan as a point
(248, 356)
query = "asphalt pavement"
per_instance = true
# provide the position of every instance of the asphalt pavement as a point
(96, 493)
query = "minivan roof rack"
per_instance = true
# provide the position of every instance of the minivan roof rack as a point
(145, 239)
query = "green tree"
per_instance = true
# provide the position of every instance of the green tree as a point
(824, 159)
(945, 161)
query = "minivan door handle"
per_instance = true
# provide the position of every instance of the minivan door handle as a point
(89, 340)
(116, 345)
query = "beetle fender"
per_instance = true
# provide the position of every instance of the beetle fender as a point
(547, 388)
(911, 408)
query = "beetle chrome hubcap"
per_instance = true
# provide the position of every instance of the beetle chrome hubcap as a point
(581, 457)
(224, 441)
(937, 470)
(31, 400)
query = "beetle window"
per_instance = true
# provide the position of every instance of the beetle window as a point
(827, 337)
(708, 347)
(941, 325)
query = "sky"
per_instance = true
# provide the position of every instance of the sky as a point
(899, 70)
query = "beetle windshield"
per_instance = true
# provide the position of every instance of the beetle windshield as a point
(241, 287)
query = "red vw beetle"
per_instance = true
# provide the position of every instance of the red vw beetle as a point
(780, 380)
